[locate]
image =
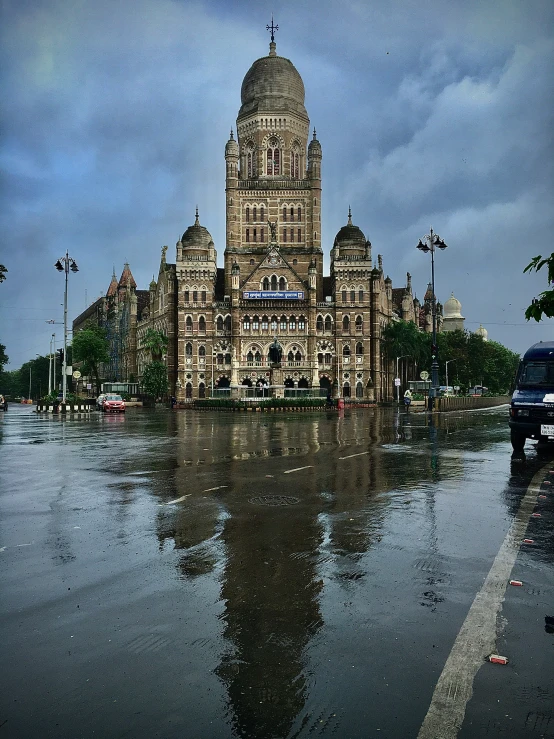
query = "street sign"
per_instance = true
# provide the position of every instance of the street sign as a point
(424, 375)
(397, 381)
(76, 374)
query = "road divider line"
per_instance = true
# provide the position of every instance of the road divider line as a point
(297, 469)
(219, 487)
(476, 639)
(178, 500)
(359, 454)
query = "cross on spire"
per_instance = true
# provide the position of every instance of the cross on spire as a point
(272, 28)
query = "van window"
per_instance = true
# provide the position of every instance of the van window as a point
(537, 373)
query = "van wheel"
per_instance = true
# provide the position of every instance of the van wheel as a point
(517, 439)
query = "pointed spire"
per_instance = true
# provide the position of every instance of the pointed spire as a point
(314, 134)
(349, 216)
(196, 222)
(232, 137)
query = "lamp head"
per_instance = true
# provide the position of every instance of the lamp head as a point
(422, 247)
(59, 266)
(440, 243)
(74, 267)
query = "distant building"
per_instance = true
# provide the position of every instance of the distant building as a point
(452, 315)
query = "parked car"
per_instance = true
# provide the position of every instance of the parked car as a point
(113, 404)
(478, 390)
(100, 400)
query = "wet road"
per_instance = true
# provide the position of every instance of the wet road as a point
(213, 575)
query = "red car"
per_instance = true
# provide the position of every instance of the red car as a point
(113, 404)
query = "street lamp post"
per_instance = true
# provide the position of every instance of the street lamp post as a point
(446, 366)
(65, 264)
(430, 242)
(402, 356)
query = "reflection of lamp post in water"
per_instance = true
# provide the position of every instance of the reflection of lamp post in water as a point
(275, 353)
(397, 378)
(446, 365)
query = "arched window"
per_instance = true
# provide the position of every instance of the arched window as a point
(284, 213)
(284, 235)
(247, 213)
(254, 214)
(328, 324)
(219, 359)
(346, 351)
(290, 357)
(296, 167)
(273, 158)
(257, 357)
(345, 323)
(292, 213)
(319, 323)
(297, 357)
(255, 323)
(219, 323)
(188, 325)
(265, 283)
(320, 358)
(262, 236)
(274, 282)
(274, 324)
(227, 323)
(301, 323)
(352, 296)
(227, 359)
(299, 214)
(247, 235)
(203, 296)
(283, 323)
(265, 323)
(201, 325)
(188, 390)
(292, 324)
(201, 351)
(255, 238)
(201, 390)
(292, 234)
(328, 358)
(282, 283)
(359, 390)
(359, 323)
(195, 296)
(299, 235)
(249, 158)
(346, 390)
(344, 293)
(252, 262)
(360, 296)
(262, 213)
(187, 296)
(359, 349)
(188, 349)
(249, 357)
(246, 323)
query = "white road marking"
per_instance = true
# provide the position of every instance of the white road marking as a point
(477, 637)
(297, 469)
(219, 487)
(360, 454)
(178, 500)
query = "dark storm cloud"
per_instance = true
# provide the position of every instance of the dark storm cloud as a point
(436, 114)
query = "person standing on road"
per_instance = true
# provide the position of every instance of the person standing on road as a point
(407, 399)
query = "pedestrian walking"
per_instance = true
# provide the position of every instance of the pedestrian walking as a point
(407, 399)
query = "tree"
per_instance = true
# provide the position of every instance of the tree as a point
(91, 348)
(3, 271)
(544, 304)
(154, 379)
(156, 343)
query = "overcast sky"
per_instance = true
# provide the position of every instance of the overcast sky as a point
(429, 113)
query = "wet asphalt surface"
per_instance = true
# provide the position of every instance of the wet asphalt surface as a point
(214, 575)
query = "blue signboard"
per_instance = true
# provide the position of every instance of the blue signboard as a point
(273, 294)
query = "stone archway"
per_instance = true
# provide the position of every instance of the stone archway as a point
(289, 382)
(303, 383)
(223, 382)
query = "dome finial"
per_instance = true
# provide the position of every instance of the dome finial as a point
(349, 216)
(197, 222)
(314, 134)
(232, 137)
(272, 28)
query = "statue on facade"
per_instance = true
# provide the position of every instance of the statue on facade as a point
(273, 228)
(275, 352)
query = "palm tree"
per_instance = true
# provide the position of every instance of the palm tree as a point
(156, 342)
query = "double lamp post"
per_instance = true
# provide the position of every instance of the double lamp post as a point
(65, 264)
(430, 242)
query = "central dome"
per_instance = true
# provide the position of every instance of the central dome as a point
(272, 84)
